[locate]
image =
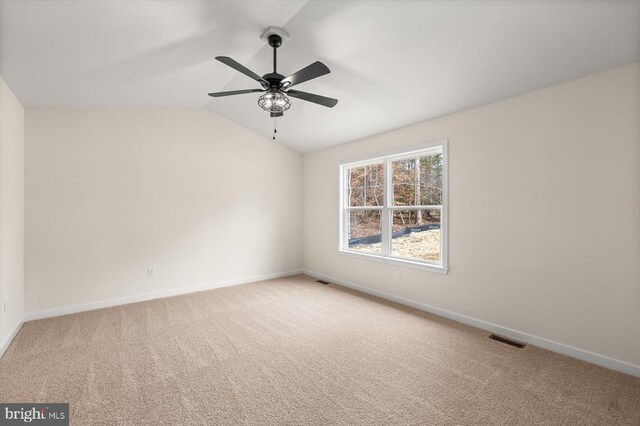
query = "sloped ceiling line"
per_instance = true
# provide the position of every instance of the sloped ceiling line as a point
(393, 63)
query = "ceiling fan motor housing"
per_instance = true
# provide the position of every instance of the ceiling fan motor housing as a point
(274, 80)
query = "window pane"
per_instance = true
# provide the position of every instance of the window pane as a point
(404, 182)
(355, 196)
(374, 184)
(417, 181)
(366, 185)
(416, 234)
(365, 233)
(431, 180)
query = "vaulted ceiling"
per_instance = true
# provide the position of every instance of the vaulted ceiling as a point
(392, 63)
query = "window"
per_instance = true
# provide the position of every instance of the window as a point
(394, 207)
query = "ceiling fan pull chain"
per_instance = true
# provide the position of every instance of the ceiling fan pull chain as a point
(275, 130)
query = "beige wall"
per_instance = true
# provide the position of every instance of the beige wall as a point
(544, 209)
(11, 213)
(113, 192)
(544, 214)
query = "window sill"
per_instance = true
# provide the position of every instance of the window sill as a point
(394, 261)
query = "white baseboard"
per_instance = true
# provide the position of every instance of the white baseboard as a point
(561, 348)
(150, 296)
(7, 341)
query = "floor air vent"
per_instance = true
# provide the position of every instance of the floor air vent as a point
(507, 341)
(323, 282)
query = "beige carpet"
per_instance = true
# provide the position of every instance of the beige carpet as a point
(292, 351)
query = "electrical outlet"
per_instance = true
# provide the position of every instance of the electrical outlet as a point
(151, 272)
(398, 275)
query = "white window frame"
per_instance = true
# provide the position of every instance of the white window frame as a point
(387, 208)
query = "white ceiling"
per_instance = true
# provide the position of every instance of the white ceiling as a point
(392, 63)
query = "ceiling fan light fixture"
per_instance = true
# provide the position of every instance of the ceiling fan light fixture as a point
(274, 101)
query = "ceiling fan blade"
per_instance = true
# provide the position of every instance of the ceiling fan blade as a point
(310, 97)
(234, 92)
(241, 68)
(310, 72)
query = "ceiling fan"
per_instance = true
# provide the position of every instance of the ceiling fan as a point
(276, 87)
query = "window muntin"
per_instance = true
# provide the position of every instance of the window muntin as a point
(394, 207)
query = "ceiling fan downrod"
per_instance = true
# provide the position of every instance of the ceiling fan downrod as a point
(275, 41)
